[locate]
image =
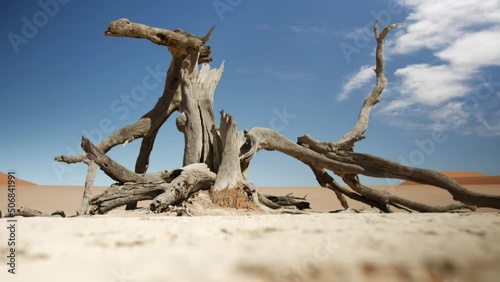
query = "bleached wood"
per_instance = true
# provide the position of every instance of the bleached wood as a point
(270, 140)
(121, 174)
(196, 118)
(228, 152)
(191, 179)
(229, 174)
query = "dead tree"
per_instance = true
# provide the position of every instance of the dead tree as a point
(29, 212)
(217, 158)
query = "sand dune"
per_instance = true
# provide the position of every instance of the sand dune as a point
(67, 198)
(459, 174)
(466, 178)
(4, 180)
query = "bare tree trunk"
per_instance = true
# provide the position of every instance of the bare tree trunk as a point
(178, 42)
(229, 175)
(87, 191)
(228, 187)
(196, 115)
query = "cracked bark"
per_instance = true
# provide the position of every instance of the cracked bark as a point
(166, 187)
(191, 179)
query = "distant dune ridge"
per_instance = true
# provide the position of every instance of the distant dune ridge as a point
(462, 177)
(466, 178)
(48, 198)
(4, 178)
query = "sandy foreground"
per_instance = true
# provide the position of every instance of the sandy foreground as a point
(128, 246)
(134, 246)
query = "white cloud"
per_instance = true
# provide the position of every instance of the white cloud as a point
(474, 50)
(464, 38)
(357, 81)
(434, 24)
(432, 85)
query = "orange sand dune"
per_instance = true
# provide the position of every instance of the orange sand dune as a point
(466, 178)
(4, 178)
(68, 198)
(454, 174)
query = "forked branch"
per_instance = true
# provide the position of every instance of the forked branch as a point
(346, 143)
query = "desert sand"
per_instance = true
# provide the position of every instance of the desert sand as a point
(243, 246)
(314, 247)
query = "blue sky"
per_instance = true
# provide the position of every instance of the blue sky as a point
(295, 66)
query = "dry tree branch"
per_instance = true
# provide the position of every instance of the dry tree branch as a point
(386, 198)
(180, 44)
(267, 139)
(121, 174)
(178, 41)
(346, 143)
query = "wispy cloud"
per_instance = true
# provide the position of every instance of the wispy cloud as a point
(262, 27)
(488, 126)
(244, 70)
(393, 107)
(454, 116)
(464, 38)
(307, 29)
(357, 81)
(289, 74)
(280, 74)
(359, 32)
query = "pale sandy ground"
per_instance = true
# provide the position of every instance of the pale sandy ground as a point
(135, 246)
(315, 247)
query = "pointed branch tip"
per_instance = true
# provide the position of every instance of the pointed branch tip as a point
(205, 38)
